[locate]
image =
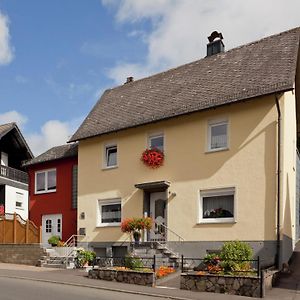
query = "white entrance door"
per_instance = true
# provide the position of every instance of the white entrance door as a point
(51, 225)
(158, 214)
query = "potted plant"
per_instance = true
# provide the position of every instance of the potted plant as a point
(153, 158)
(85, 257)
(135, 226)
(54, 240)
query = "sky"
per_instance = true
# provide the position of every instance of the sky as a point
(57, 57)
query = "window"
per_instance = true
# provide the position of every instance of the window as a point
(48, 226)
(109, 212)
(58, 225)
(111, 152)
(45, 181)
(217, 205)
(156, 142)
(218, 135)
(19, 200)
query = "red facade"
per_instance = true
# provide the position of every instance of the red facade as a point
(58, 202)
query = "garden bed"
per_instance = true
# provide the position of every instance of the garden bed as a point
(215, 283)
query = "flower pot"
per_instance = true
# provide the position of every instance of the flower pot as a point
(136, 237)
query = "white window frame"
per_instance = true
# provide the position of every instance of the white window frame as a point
(212, 123)
(216, 192)
(19, 201)
(46, 181)
(105, 161)
(101, 203)
(156, 135)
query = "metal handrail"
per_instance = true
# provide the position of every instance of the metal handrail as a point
(180, 238)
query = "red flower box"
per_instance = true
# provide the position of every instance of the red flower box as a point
(153, 158)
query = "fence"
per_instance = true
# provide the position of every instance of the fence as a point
(15, 230)
(216, 266)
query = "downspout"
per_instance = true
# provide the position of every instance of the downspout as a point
(277, 257)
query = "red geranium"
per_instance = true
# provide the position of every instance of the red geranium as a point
(153, 158)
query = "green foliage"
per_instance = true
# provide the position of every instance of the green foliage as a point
(211, 259)
(133, 263)
(235, 256)
(85, 256)
(54, 240)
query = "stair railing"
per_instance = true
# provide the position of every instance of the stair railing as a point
(161, 227)
(72, 243)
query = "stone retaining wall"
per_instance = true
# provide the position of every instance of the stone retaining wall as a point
(128, 276)
(233, 285)
(26, 254)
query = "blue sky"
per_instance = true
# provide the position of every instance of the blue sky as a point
(58, 56)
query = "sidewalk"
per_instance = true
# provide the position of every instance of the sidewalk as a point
(287, 290)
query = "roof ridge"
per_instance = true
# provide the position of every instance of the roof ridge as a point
(206, 57)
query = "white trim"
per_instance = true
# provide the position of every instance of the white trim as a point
(46, 171)
(104, 156)
(216, 192)
(100, 203)
(216, 122)
(156, 135)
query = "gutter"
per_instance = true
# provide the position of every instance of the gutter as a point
(277, 257)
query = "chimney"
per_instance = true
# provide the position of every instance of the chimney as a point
(215, 44)
(129, 79)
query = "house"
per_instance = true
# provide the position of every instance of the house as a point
(53, 191)
(228, 125)
(13, 180)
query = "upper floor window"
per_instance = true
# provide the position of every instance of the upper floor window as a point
(156, 142)
(45, 181)
(111, 156)
(217, 135)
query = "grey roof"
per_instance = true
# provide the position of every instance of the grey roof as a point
(55, 153)
(259, 68)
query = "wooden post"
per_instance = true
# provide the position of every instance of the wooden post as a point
(4, 222)
(27, 232)
(40, 235)
(15, 228)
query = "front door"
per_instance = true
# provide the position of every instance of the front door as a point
(158, 214)
(51, 225)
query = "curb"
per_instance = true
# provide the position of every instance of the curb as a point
(96, 287)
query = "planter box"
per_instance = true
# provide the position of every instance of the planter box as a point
(233, 285)
(126, 276)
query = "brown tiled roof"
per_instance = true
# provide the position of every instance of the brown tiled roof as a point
(259, 68)
(55, 153)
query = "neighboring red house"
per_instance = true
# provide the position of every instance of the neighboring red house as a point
(53, 191)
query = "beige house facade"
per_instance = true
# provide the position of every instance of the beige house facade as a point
(230, 163)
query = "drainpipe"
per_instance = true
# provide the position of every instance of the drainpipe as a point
(277, 257)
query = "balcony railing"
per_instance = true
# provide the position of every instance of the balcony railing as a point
(13, 174)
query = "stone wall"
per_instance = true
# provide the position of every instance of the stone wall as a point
(26, 254)
(233, 285)
(128, 276)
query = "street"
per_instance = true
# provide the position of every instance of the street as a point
(17, 289)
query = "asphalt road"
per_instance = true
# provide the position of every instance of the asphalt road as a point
(19, 289)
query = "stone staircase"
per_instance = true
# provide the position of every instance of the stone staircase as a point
(164, 256)
(54, 259)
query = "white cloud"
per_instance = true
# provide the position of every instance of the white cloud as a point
(13, 116)
(52, 133)
(180, 28)
(6, 50)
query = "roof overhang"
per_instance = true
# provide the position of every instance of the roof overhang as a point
(153, 186)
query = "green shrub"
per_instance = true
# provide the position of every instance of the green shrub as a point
(54, 240)
(235, 256)
(133, 263)
(85, 257)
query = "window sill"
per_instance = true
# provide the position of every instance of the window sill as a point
(217, 221)
(217, 150)
(108, 225)
(109, 168)
(44, 192)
